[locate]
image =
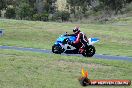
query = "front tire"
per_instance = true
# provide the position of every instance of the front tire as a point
(57, 49)
(89, 51)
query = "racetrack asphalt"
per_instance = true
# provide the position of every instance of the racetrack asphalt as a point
(98, 56)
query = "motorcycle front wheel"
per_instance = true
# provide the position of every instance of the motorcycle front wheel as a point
(57, 49)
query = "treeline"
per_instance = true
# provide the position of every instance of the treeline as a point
(45, 10)
(100, 10)
(28, 9)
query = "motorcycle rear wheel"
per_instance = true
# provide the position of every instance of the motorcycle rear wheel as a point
(89, 51)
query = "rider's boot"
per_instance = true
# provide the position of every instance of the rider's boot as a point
(81, 50)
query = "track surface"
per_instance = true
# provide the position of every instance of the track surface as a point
(100, 56)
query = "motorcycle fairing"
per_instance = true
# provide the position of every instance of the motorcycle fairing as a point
(62, 37)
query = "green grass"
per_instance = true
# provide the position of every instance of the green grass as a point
(20, 69)
(35, 70)
(115, 38)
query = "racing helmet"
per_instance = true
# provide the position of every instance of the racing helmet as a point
(76, 30)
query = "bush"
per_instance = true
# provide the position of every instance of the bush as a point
(37, 17)
(61, 15)
(65, 16)
(10, 12)
(44, 17)
(41, 17)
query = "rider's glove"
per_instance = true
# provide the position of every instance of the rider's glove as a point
(66, 34)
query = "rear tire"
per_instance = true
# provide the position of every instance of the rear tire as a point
(89, 52)
(57, 49)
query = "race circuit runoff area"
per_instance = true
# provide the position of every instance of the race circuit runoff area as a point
(100, 56)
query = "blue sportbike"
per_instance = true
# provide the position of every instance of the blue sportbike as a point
(62, 46)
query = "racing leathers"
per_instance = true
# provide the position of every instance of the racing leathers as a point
(81, 38)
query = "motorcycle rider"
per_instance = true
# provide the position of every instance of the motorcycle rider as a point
(81, 38)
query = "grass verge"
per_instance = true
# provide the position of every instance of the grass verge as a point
(115, 38)
(35, 70)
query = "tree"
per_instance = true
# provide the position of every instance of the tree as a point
(115, 5)
(3, 4)
(81, 6)
(0, 13)
(47, 6)
(10, 12)
(128, 1)
(24, 11)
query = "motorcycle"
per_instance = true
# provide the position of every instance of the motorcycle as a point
(62, 46)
